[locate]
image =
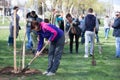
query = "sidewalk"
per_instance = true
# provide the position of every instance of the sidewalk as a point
(4, 27)
(7, 27)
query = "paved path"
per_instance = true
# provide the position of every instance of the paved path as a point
(6, 27)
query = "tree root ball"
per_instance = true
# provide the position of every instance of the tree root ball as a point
(10, 71)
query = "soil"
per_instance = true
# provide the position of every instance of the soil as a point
(10, 71)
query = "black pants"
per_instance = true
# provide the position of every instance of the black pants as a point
(71, 36)
(10, 40)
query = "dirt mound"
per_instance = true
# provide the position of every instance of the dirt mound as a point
(10, 71)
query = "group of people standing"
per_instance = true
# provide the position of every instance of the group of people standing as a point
(87, 27)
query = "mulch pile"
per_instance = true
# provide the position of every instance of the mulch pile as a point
(10, 71)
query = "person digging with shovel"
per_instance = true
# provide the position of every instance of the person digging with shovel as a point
(56, 39)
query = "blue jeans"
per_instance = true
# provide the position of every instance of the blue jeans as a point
(89, 36)
(29, 42)
(106, 32)
(83, 37)
(117, 46)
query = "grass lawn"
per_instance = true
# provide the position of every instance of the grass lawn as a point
(72, 67)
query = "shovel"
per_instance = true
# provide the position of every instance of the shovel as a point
(24, 69)
(100, 48)
(93, 56)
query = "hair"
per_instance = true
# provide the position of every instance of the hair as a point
(34, 24)
(117, 13)
(46, 20)
(68, 15)
(107, 16)
(90, 10)
(15, 7)
(33, 12)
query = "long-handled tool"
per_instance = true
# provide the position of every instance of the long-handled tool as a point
(24, 69)
(93, 56)
(99, 48)
(66, 35)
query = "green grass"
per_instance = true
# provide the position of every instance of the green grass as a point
(72, 67)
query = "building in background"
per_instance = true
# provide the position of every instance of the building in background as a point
(5, 7)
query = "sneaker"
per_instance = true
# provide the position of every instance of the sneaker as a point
(46, 72)
(50, 74)
(91, 55)
(85, 56)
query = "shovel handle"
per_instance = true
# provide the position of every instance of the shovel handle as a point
(39, 53)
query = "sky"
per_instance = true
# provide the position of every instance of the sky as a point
(115, 3)
(20, 2)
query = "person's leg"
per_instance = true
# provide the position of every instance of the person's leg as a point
(92, 36)
(77, 42)
(34, 41)
(51, 56)
(107, 32)
(97, 37)
(82, 38)
(117, 47)
(86, 43)
(71, 42)
(58, 54)
(10, 38)
(29, 43)
(10, 41)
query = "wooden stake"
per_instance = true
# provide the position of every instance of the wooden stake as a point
(23, 54)
(15, 65)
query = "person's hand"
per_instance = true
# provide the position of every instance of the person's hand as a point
(48, 42)
(38, 38)
(38, 53)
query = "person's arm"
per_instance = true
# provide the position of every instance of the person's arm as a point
(40, 42)
(40, 52)
(52, 31)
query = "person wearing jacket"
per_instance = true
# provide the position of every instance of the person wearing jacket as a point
(90, 24)
(116, 33)
(56, 40)
(11, 27)
(74, 30)
(29, 18)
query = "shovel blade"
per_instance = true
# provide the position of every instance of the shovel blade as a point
(93, 63)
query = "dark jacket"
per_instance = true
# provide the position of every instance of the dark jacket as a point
(116, 26)
(90, 22)
(75, 24)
